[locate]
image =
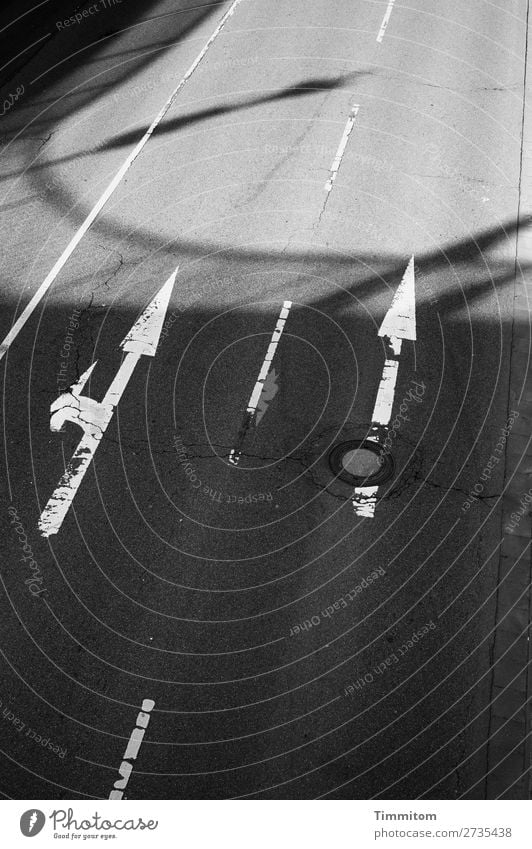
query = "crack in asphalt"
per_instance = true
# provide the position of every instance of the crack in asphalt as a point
(460, 490)
(121, 263)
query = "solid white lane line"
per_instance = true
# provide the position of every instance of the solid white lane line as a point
(115, 182)
(251, 410)
(132, 749)
(386, 20)
(341, 148)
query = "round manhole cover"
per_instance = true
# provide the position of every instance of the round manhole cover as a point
(361, 462)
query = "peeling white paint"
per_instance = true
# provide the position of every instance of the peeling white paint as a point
(94, 416)
(132, 750)
(385, 21)
(399, 323)
(335, 167)
(254, 400)
(109, 191)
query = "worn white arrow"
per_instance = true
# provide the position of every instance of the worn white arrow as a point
(93, 417)
(399, 323)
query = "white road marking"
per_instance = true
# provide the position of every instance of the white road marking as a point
(400, 320)
(341, 148)
(94, 416)
(386, 21)
(132, 749)
(115, 182)
(399, 323)
(365, 500)
(382, 412)
(234, 456)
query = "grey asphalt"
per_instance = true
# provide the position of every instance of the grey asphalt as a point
(189, 596)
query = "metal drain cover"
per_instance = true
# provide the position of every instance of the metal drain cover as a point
(361, 462)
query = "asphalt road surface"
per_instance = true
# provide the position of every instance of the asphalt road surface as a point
(284, 636)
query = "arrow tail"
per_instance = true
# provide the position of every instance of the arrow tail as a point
(382, 412)
(60, 502)
(365, 498)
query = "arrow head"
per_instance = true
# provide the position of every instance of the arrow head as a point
(400, 320)
(143, 338)
(77, 388)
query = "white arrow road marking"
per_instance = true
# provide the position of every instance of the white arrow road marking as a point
(94, 416)
(399, 323)
(335, 167)
(235, 454)
(132, 749)
(366, 497)
(115, 182)
(365, 500)
(400, 320)
(386, 21)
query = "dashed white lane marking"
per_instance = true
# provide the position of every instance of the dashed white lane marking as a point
(132, 749)
(341, 148)
(95, 416)
(399, 323)
(115, 182)
(386, 20)
(234, 456)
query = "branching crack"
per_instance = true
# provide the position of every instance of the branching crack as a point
(116, 270)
